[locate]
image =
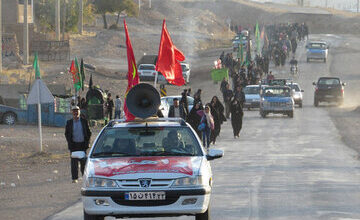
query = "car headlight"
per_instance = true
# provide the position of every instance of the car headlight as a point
(189, 181)
(100, 182)
(296, 96)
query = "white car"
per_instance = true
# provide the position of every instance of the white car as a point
(297, 93)
(147, 72)
(186, 71)
(317, 50)
(167, 101)
(148, 168)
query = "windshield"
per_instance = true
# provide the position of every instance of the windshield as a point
(150, 141)
(189, 99)
(147, 67)
(295, 87)
(252, 90)
(317, 46)
(329, 81)
(277, 92)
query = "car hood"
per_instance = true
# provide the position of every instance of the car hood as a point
(252, 96)
(172, 167)
(277, 99)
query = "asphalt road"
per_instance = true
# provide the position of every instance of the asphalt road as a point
(283, 168)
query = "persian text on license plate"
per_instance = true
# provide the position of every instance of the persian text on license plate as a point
(145, 196)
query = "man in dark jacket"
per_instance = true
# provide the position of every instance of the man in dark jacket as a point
(228, 94)
(77, 135)
(176, 110)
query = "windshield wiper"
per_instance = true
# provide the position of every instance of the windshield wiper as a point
(99, 154)
(171, 153)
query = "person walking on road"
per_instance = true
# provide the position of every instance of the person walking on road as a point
(217, 111)
(77, 135)
(207, 121)
(118, 109)
(236, 117)
(228, 94)
(109, 107)
(194, 118)
(240, 95)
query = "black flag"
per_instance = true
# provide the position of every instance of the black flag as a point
(90, 82)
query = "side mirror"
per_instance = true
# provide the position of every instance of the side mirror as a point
(214, 154)
(314, 83)
(302, 90)
(344, 84)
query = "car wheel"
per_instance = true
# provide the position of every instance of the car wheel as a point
(291, 114)
(307, 60)
(324, 60)
(9, 118)
(263, 114)
(300, 105)
(316, 102)
(92, 217)
(203, 216)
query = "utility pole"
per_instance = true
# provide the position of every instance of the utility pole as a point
(57, 19)
(139, 1)
(26, 34)
(0, 39)
(81, 19)
(64, 20)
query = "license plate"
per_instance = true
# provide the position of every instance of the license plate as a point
(329, 96)
(145, 196)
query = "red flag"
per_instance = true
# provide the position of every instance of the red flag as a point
(74, 70)
(133, 76)
(168, 59)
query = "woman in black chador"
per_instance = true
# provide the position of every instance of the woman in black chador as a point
(236, 116)
(217, 111)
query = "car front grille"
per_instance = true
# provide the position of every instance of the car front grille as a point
(169, 200)
(134, 183)
(277, 104)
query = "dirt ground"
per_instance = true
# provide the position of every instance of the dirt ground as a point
(34, 186)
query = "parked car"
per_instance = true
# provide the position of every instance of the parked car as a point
(296, 93)
(148, 168)
(317, 50)
(329, 89)
(8, 114)
(278, 100)
(167, 101)
(186, 71)
(252, 96)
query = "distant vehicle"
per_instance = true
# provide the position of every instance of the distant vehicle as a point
(147, 72)
(186, 71)
(167, 102)
(252, 96)
(276, 99)
(240, 39)
(8, 114)
(328, 89)
(317, 50)
(296, 93)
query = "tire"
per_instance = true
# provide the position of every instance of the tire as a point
(316, 102)
(291, 114)
(307, 60)
(300, 105)
(324, 60)
(92, 217)
(9, 118)
(203, 216)
(263, 114)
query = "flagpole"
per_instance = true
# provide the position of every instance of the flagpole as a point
(155, 80)
(39, 118)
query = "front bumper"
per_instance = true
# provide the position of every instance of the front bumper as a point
(316, 56)
(284, 109)
(252, 104)
(172, 206)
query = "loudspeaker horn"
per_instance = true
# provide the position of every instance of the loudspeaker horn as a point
(143, 100)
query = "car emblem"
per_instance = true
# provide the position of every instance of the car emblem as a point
(145, 183)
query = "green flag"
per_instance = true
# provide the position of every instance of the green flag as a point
(219, 74)
(257, 38)
(36, 67)
(79, 76)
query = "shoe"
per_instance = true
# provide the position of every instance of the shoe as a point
(75, 181)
